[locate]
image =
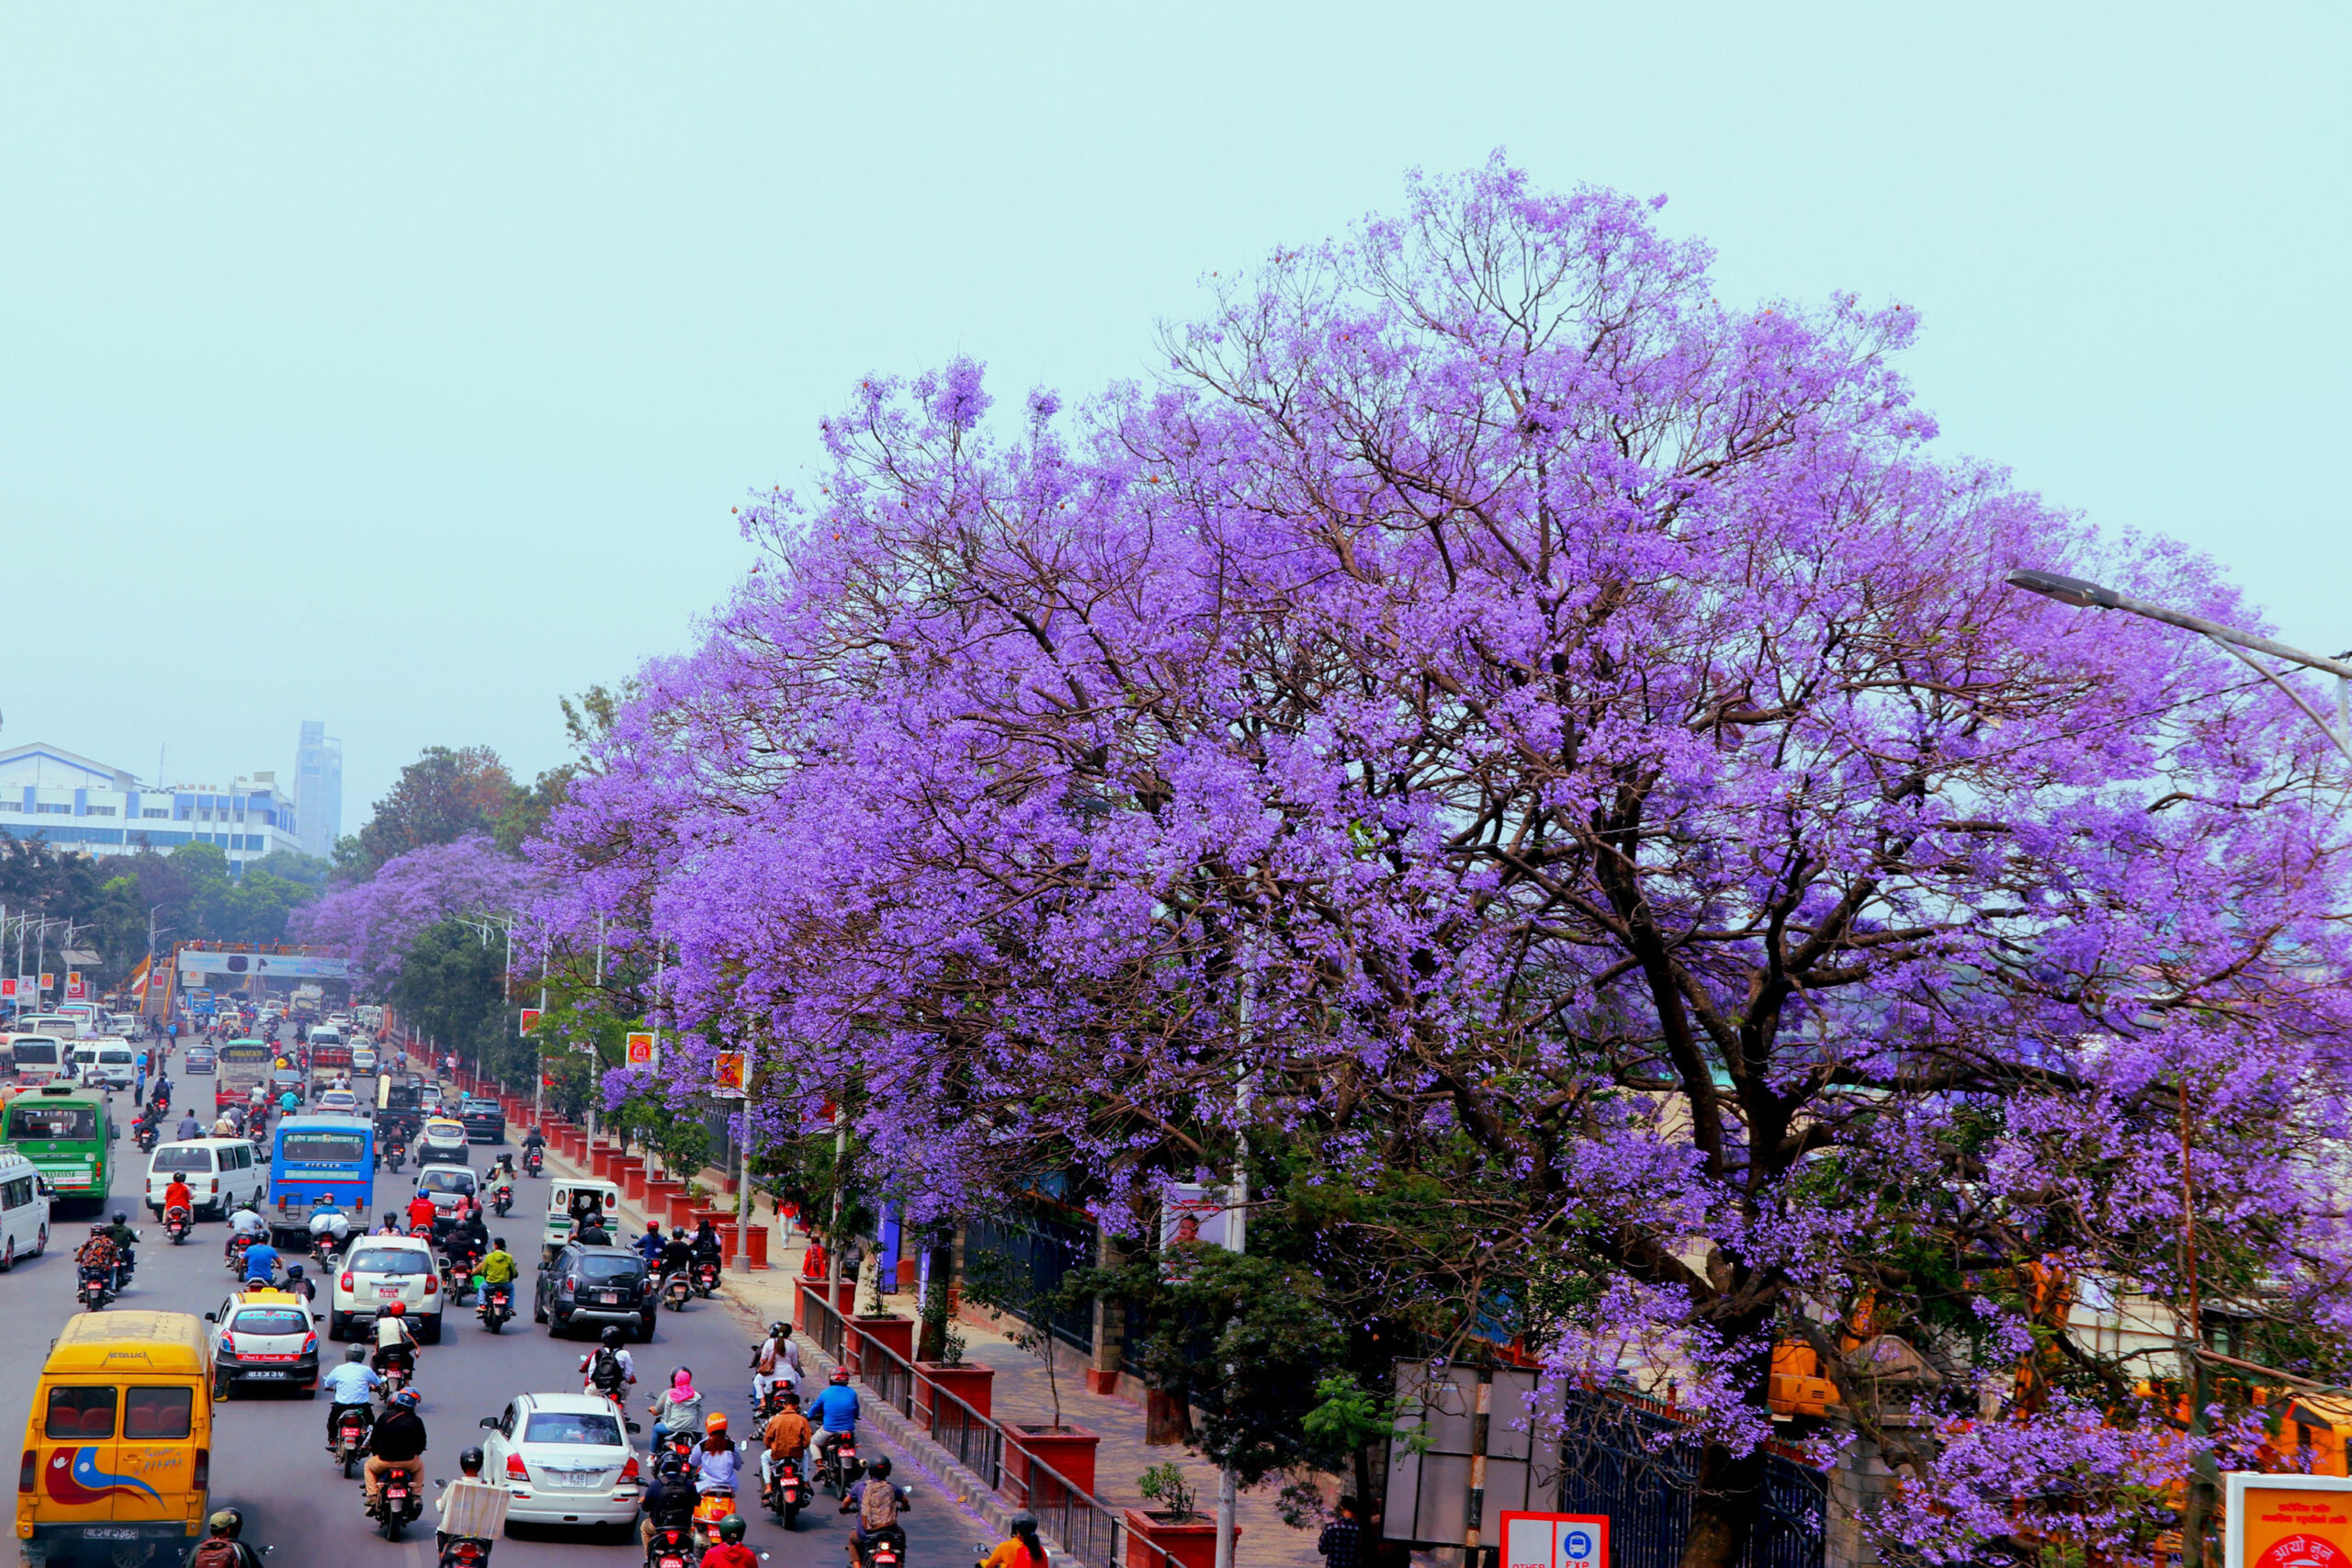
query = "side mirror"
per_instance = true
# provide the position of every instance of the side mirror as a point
(211, 1318)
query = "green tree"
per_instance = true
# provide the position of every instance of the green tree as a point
(439, 798)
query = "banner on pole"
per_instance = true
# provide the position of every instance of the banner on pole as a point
(73, 987)
(8, 990)
(2287, 1521)
(639, 1049)
(530, 1019)
(729, 1075)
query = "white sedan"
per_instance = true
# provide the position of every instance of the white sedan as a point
(564, 1460)
(341, 1099)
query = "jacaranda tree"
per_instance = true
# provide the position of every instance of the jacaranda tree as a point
(1489, 709)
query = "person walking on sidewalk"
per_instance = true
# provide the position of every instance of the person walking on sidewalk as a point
(1339, 1541)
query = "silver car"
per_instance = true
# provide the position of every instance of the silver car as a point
(575, 1464)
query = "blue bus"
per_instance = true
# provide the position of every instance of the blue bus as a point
(322, 1155)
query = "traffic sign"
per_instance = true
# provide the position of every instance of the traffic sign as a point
(530, 1019)
(640, 1049)
(8, 989)
(1556, 1540)
(2287, 1521)
(73, 987)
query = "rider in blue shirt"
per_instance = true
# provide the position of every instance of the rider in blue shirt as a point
(261, 1263)
(348, 1387)
(835, 1413)
(649, 1245)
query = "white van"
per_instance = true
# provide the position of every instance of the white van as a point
(107, 1064)
(37, 1058)
(24, 1208)
(63, 1025)
(221, 1172)
(363, 1058)
(326, 1034)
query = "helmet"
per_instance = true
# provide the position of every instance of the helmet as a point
(470, 1460)
(612, 1338)
(293, 1271)
(776, 1330)
(1023, 1523)
(357, 1353)
(395, 1309)
(121, 1218)
(715, 1423)
(879, 1467)
(730, 1529)
(406, 1399)
(841, 1374)
(654, 1228)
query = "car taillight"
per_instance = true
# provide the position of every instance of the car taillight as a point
(432, 1283)
(228, 1346)
(346, 1280)
(516, 1470)
(628, 1471)
(203, 1470)
(311, 1345)
(572, 1281)
(214, 1184)
(26, 1472)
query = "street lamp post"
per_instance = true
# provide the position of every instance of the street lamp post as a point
(2090, 595)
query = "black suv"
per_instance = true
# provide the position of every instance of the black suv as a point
(594, 1285)
(485, 1120)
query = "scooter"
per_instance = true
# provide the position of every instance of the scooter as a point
(463, 1550)
(712, 1506)
(706, 1277)
(351, 1440)
(676, 1292)
(397, 1505)
(176, 1225)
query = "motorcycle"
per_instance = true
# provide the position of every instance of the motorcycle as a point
(397, 1505)
(497, 1306)
(676, 1292)
(786, 1494)
(145, 1136)
(176, 1225)
(464, 1551)
(393, 1154)
(235, 1258)
(671, 1547)
(840, 1468)
(889, 1550)
(710, 1508)
(533, 1162)
(706, 1277)
(351, 1440)
(96, 1288)
(399, 1372)
(502, 1201)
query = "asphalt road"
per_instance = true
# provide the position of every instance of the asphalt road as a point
(269, 1456)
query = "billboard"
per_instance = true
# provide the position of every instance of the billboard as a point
(196, 963)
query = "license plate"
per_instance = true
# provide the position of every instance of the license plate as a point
(279, 1376)
(576, 1477)
(609, 1298)
(388, 1292)
(109, 1533)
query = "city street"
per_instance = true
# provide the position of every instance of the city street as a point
(268, 1455)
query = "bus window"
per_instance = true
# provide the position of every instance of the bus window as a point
(323, 1147)
(60, 1124)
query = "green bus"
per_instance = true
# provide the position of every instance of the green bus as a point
(65, 1132)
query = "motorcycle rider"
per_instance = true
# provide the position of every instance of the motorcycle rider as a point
(1022, 1549)
(609, 1366)
(835, 1413)
(677, 1407)
(261, 1263)
(329, 1225)
(775, 1357)
(391, 1224)
(126, 1243)
(669, 1499)
(649, 1246)
(189, 1129)
(394, 1338)
(468, 1239)
(471, 1509)
(877, 1504)
(297, 1285)
(98, 1253)
(178, 1196)
(534, 1142)
(592, 1230)
(497, 1267)
(243, 1223)
(222, 1530)
(422, 1213)
(350, 1386)
(677, 1255)
(784, 1440)
(706, 1248)
(716, 1464)
(731, 1552)
(396, 1444)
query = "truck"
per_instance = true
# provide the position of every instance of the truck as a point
(307, 1001)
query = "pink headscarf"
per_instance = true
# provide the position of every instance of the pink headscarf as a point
(682, 1386)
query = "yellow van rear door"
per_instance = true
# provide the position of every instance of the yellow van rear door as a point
(154, 1467)
(79, 1467)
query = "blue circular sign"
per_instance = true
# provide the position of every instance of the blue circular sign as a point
(1579, 1545)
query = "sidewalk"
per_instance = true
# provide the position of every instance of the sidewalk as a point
(1021, 1393)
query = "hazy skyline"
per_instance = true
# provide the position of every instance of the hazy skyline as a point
(400, 368)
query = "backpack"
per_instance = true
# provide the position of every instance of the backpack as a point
(606, 1369)
(217, 1552)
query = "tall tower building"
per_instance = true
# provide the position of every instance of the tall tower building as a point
(318, 789)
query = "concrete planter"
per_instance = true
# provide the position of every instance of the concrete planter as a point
(1067, 1451)
(972, 1383)
(891, 1332)
(1189, 1542)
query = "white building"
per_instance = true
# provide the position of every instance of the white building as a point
(318, 788)
(74, 803)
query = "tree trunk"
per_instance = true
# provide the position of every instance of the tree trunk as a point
(1724, 1506)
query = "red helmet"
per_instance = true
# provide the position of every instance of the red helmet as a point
(394, 1309)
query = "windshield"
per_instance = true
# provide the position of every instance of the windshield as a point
(272, 1320)
(185, 1158)
(587, 1429)
(389, 1260)
(67, 1123)
(115, 1057)
(608, 1269)
(37, 1053)
(322, 1148)
(440, 1180)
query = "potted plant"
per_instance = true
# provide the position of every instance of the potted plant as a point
(1062, 1446)
(944, 1368)
(1176, 1528)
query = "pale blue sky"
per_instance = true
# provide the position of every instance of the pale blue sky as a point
(396, 365)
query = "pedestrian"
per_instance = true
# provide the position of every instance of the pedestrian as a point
(1340, 1541)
